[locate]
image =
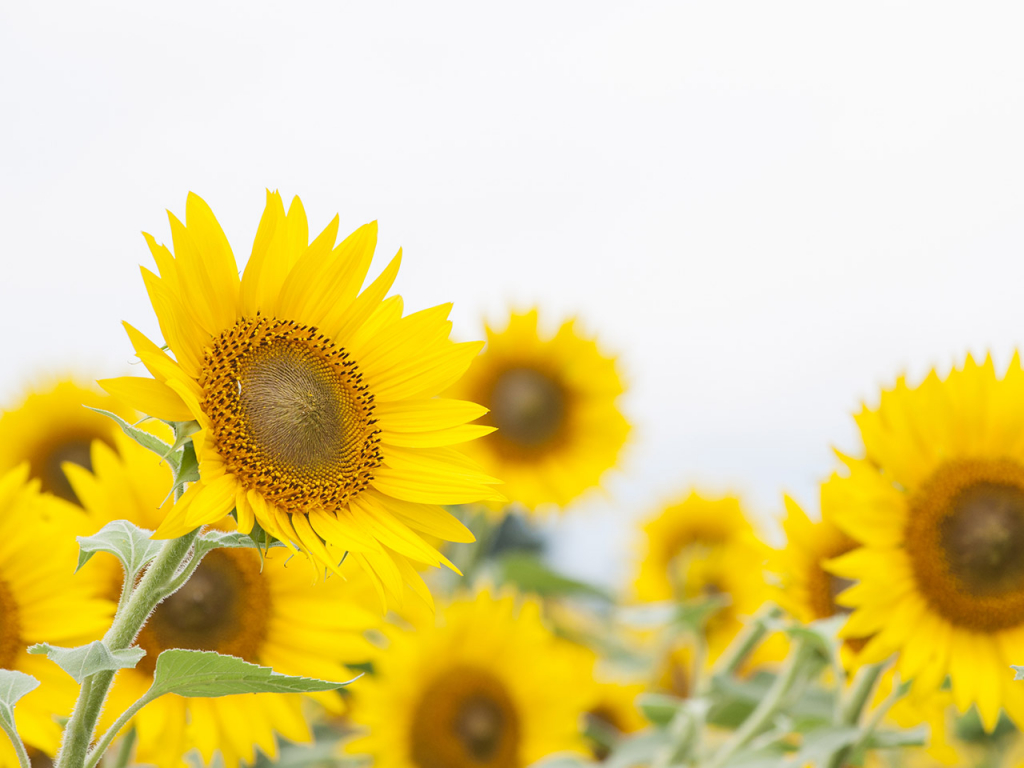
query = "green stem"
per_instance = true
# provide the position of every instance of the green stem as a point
(863, 685)
(16, 742)
(841, 755)
(151, 589)
(746, 641)
(766, 709)
(124, 753)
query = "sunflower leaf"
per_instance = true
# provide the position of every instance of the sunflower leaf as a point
(214, 539)
(529, 574)
(145, 439)
(86, 660)
(13, 686)
(127, 542)
(210, 674)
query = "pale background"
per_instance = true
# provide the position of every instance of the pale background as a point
(768, 210)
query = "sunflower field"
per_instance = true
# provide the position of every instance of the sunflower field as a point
(307, 535)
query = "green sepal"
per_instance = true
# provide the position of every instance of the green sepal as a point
(209, 674)
(86, 660)
(145, 439)
(214, 539)
(187, 469)
(126, 541)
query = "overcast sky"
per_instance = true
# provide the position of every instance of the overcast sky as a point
(769, 210)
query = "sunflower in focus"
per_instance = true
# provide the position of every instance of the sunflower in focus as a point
(317, 403)
(488, 686)
(42, 600)
(51, 426)
(553, 403)
(704, 547)
(937, 505)
(270, 615)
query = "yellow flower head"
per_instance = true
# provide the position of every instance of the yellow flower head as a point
(807, 589)
(489, 686)
(553, 402)
(267, 614)
(51, 426)
(42, 600)
(700, 548)
(317, 402)
(937, 504)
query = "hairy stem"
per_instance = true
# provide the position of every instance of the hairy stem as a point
(124, 752)
(17, 743)
(746, 641)
(128, 620)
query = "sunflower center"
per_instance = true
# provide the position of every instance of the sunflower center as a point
(50, 473)
(965, 535)
(527, 406)
(290, 415)
(10, 628)
(223, 607)
(466, 719)
(604, 724)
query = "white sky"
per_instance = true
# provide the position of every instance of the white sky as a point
(769, 209)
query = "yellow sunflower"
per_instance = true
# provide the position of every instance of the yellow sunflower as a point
(553, 402)
(703, 547)
(937, 504)
(317, 403)
(50, 426)
(614, 714)
(807, 589)
(42, 600)
(489, 686)
(274, 617)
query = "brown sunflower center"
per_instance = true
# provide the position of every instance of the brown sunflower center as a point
(10, 628)
(74, 449)
(527, 406)
(290, 415)
(605, 724)
(224, 607)
(823, 587)
(965, 536)
(466, 719)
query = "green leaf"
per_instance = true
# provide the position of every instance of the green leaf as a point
(127, 542)
(86, 660)
(658, 708)
(911, 737)
(529, 574)
(13, 686)
(144, 438)
(819, 744)
(209, 674)
(214, 539)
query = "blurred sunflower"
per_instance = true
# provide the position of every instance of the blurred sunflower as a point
(703, 548)
(42, 600)
(808, 591)
(937, 504)
(613, 715)
(51, 426)
(488, 687)
(276, 618)
(553, 402)
(317, 403)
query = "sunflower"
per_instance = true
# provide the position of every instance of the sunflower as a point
(808, 591)
(489, 686)
(937, 504)
(51, 426)
(614, 714)
(317, 404)
(274, 617)
(703, 547)
(42, 600)
(553, 402)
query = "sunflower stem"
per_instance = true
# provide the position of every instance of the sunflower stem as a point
(124, 751)
(759, 719)
(128, 621)
(746, 641)
(841, 755)
(17, 743)
(850, 707)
